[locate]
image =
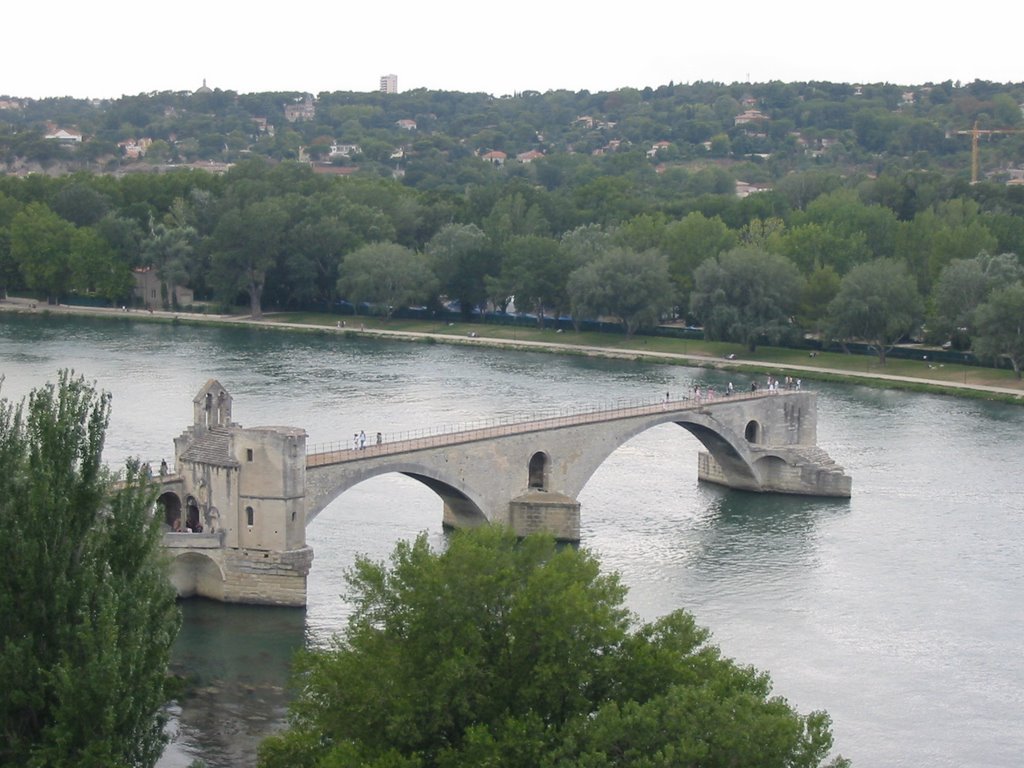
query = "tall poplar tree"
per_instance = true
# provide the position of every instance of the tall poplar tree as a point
(87, 612)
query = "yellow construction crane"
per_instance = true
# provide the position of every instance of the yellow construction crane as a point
(974, 133)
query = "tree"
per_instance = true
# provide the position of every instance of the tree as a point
(954, 230)
(89, 611)
(760, 233)
(96, 268)
(963, 285)
(801, 188)
(815, 246)
(515, 214)
(514, 653)
(461, 258)
(247, 244)
(999, 326)
(1006, 110)
(689, 243)
(847, 216)
(642, 232)
(821, 287)
(387, 275)
(585, 243)
(9, 273)
(169, 250)
(123, 235)
(746, 294)
(535, 270)
(633, 287)
(309, 272)
(878, 303)
(41, 246)
(80, 203)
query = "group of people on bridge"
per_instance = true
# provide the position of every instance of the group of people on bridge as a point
(359, 440)
(706, 393)
(774, 385)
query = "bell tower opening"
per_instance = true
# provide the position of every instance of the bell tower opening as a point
(212, 406)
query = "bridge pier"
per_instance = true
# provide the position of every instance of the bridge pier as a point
(545, 511)
(798, 475)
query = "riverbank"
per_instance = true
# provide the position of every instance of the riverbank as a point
(916, 375)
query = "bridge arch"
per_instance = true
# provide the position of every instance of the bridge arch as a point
(731, 450)
(462, 507)
(196, 574)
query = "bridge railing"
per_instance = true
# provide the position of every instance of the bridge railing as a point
(448, 434)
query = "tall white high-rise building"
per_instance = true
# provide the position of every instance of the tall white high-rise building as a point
(389, 84)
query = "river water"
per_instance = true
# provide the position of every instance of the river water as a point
(899, 611)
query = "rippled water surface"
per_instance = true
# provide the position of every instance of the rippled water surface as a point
(898, 611)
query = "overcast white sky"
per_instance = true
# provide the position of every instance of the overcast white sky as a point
(105, 49)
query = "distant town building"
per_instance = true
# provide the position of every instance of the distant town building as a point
(62, 135)
(304, 110)
(133, 149)
(406, 124)
(750, 116)
(612, 146)
(344, 150)
(529, 157)
(745, 189)
(657, 147)
(389, 84)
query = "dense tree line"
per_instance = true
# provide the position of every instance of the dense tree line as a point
(810, 256)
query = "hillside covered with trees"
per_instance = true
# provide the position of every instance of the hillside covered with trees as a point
(756, 132)
(762, 212)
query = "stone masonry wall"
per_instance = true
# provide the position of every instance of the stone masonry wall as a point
(267, 578)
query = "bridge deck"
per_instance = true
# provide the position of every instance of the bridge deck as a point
(338, 453)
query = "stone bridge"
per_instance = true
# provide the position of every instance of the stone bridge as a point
(247, 494)
(528, 475)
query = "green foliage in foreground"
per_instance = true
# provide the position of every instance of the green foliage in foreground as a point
(88, 612)
(500, 652)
